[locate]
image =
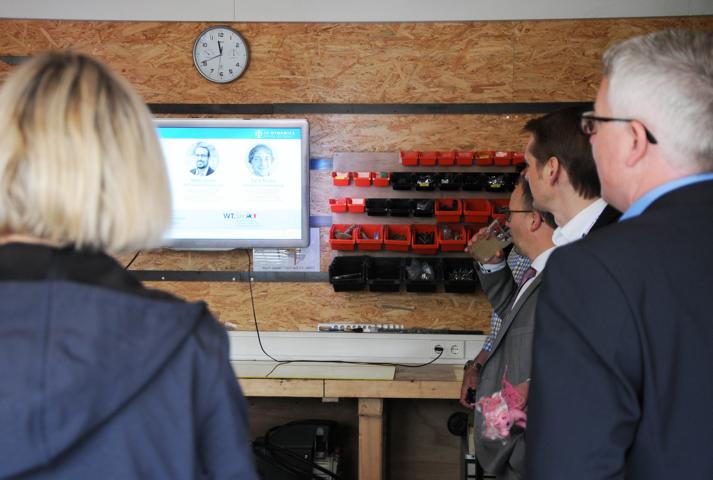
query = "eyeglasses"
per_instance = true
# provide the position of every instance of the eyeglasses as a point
(588, 122)
(508, 213)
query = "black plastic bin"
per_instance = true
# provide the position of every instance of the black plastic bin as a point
(425, 181)
(402, 180)
(398, 207)
(348, 273)
(472, 181)
(459, 275)
(421, 282)
(496, 182)
(449, 181)
(384, 274)
(423, 207)
(375, 206)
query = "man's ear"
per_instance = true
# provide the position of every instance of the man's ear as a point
(536, 220)
(551, 170)
(639, 144)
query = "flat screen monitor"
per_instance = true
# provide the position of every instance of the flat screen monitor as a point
(237, 183)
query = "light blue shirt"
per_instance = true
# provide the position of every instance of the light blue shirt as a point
(638, 207)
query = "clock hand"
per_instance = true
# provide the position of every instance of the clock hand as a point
(211, 58)
(220, 47)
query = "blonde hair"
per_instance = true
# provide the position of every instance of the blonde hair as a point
(80, 163)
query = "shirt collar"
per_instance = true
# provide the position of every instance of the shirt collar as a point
(641, 204)
(541, 260)
(580, 224)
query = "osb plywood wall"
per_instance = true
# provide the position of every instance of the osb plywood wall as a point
(465, 62)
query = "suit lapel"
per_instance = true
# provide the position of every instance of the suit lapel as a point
(512, 313)
(608, 216)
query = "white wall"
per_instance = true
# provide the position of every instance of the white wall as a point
(345, 10)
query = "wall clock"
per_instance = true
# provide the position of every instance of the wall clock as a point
(220, 54)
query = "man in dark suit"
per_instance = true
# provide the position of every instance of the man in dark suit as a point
(201, 153)
(512, 349)
(563, 176)
(622, 378)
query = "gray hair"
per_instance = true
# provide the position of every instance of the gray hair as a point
(665, 80)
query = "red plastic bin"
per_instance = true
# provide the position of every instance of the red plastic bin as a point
(497, 204)
(428, 158)
(381, 179)
(355, 205)
(444, 211)
(362, 179)
(410, 158)
(456, 244)
(338, 205)
(476, 210)
(446, 159)
(426, 249)
(518, 157)
(502, 158)
(338, 243)
(375, 234)
(484, 157)
(341, 179)
(464, 159)
(395, 244)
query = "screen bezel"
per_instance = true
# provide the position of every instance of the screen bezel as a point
(234, 243)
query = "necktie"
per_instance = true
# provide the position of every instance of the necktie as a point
(529, 274)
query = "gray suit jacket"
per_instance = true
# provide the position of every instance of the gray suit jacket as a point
(511, 357)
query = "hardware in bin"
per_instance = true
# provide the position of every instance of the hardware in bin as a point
(423, 239)
(342, 236)
(448, 210)
(370, 237)
(452, 238)
(397, 237)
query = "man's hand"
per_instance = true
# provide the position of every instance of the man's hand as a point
(471, 377)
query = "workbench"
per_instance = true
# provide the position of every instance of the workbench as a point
(431, 382)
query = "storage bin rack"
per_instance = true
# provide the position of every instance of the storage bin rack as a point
(402, 209)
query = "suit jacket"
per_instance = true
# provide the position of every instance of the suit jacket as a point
(511, 357)
(622, 380)
(512, 354)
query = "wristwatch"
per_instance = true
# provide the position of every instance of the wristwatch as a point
(478, 365)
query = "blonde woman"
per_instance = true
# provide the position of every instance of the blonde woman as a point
(99, 376)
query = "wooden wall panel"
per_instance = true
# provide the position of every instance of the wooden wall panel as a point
(300, 306)
(457, 62)
(561, 60)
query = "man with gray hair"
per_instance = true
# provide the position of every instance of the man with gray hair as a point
(622, 378)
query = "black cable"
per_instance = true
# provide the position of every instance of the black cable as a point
(132, 260)
(284, 362)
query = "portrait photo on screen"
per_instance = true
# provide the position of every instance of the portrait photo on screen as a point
(203, 159)
(261, 160)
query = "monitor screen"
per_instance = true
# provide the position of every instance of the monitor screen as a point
(237, 183)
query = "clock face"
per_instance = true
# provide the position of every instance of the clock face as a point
(220, 54)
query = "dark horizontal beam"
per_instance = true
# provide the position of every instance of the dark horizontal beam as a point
(360, 108)
(229, 276)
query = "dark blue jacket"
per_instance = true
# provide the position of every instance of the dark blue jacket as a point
(102, 378)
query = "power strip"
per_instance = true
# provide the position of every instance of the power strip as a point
(360, 327)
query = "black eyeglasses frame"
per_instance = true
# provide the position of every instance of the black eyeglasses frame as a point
(590, 117)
